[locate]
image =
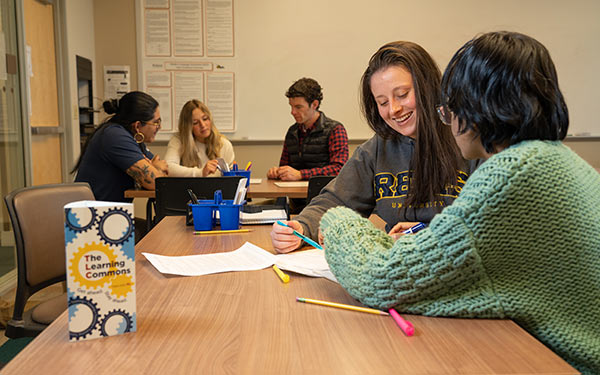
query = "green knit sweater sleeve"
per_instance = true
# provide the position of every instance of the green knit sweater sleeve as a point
(435, 272)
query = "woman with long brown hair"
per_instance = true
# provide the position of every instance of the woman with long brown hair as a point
(411, 168)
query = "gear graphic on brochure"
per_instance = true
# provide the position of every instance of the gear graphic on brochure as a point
(86, 250)
(72, 221)
(121, 285)
(117, 326)
(112, 238)
(92, 310)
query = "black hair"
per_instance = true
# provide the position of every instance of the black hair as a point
(436, 158)
(133, 106)
(503, 86)
(306, 88)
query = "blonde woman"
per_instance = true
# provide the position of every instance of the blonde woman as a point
(193, 152)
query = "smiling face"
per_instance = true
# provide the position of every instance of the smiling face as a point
(150, 128)
(394, 93)
(201, 125)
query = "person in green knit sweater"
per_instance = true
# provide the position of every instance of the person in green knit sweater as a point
(522, 240)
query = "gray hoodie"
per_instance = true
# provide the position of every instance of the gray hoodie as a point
(375, 179)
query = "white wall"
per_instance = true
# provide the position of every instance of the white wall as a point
(279, 41)
(78, 39)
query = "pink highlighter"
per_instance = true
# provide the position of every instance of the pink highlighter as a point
(404, 325)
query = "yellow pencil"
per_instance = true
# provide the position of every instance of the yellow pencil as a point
(285, 278)
(223, 231)
(342, 306)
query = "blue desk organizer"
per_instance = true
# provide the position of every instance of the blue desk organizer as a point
(205, 217)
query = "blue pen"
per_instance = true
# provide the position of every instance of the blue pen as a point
(415, 229)
(304, 238)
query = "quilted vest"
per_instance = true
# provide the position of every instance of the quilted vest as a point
(314, 152)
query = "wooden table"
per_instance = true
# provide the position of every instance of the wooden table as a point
(249, 322)
(266, 189)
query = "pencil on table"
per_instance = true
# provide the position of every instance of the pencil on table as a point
(222, 231)
(342, 306)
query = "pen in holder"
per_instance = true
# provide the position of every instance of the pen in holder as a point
(189, 219)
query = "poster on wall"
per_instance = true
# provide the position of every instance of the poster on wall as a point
(116, 81)
(186, 51)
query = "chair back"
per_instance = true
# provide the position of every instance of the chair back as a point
(172, 197)
(37, 216)
(315, 185)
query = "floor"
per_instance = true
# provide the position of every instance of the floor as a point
(42, 295)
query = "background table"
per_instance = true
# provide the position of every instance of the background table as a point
(266, 189)
(249, 322)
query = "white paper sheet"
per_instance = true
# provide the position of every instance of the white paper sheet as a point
(255, 181)
(289, 184)
(307, 262)
(116, 81)
(219, 26)
(249, 257)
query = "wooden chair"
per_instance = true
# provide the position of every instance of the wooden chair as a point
(172, 197)
(37, 216)
(315, 185)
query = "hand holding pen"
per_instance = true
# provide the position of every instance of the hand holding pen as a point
(403, 228)
(284, 240)
(301, 236)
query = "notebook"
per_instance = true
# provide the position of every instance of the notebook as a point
(263, 217)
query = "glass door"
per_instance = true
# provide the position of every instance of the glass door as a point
(12, 155)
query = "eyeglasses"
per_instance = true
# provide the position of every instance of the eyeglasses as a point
(445, 114)
(156, 123)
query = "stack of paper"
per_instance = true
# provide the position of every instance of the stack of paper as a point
(292, 184)
(263, 217)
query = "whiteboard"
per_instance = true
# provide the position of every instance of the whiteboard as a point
(279, 41)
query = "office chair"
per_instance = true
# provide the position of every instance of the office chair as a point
(172, 197)
(37, 216)
(315, 185)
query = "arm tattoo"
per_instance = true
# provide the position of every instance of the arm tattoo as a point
(141, 173)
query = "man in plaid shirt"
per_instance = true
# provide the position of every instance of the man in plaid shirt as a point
(315, 145)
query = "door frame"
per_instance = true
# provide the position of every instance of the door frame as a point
(9, 280)
(63, 93)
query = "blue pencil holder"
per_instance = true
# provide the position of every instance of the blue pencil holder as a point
(204, 215)
(239, 173)
(229, 215)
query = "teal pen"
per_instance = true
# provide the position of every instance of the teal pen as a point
(304, 238)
